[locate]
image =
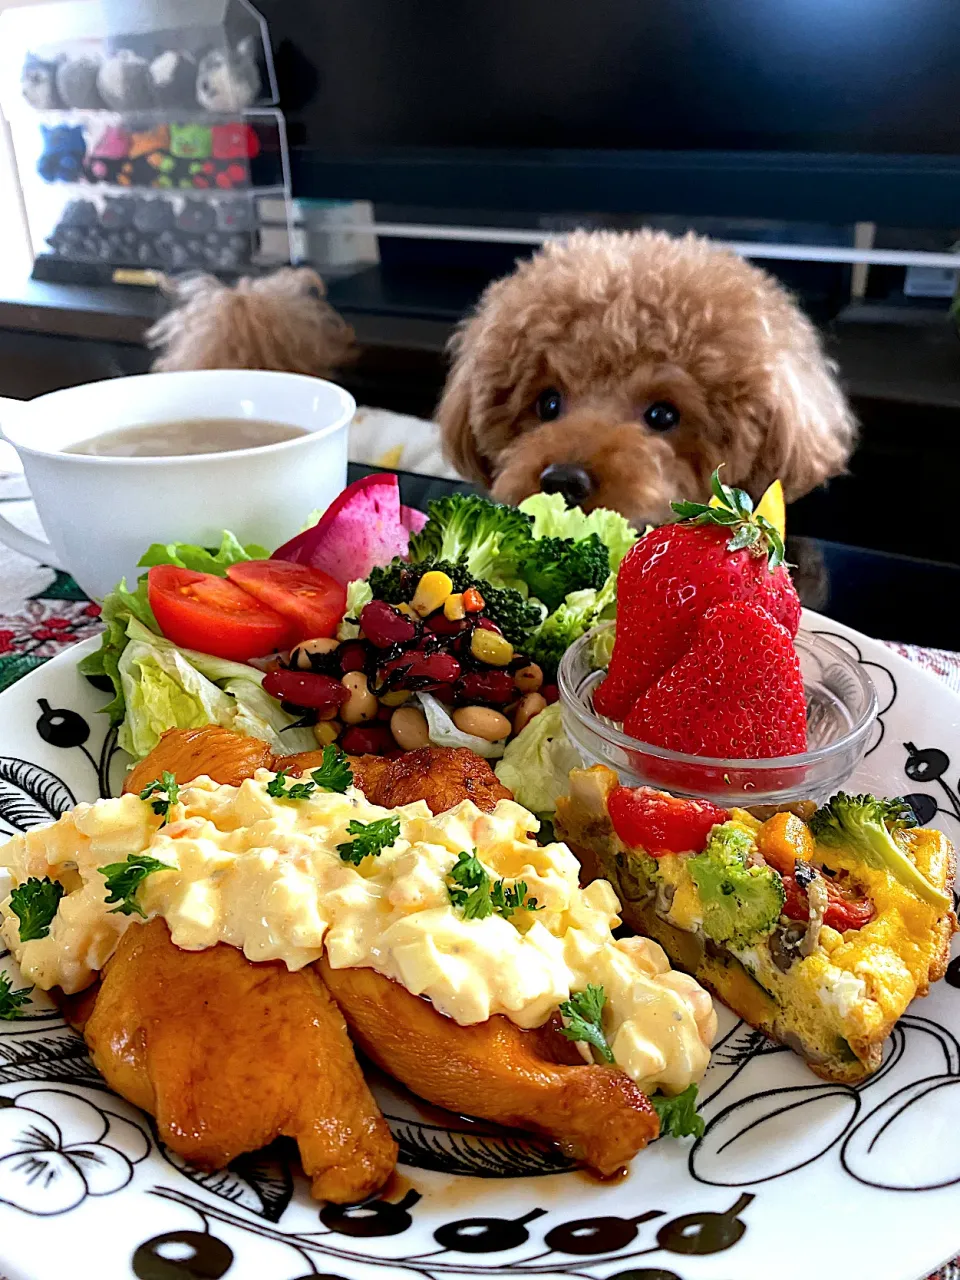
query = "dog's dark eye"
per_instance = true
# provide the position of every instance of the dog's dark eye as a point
(662, 415)
(549, 404)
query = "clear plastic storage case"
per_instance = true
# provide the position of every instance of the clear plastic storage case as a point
(146, 136)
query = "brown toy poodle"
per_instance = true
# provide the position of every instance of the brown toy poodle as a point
(621, 369)
(280, 321)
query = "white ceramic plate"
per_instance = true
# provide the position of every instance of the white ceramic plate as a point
(793, 1177)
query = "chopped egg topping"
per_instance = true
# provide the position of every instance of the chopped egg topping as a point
(264, 875)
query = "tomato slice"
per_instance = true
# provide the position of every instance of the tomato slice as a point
(312, 600)
(202, 611)
(660, 823)
(846, 909)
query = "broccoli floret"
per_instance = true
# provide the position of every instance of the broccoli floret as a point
(579, 612)
(740, 903)
(397, 582)
(554, 567)
(491, 538)
(865, 826)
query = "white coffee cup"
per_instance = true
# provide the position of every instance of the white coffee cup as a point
(101, 513)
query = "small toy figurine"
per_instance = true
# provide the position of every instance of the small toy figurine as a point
(77, 82)
(112, 144)
(153, 215)
(124, 82)
(155, 139)
(190, 141)
(196, 215)
(64, 147)
(117, 212)
(38, 83)
(174, 77)
(229, 79)
(235, 214)
(79, 213)
(234, 142)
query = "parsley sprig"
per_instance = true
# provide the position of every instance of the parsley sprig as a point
(678, 1115)
(371, 839)
(125, 878)
(35, 903)
(334, 774)
(478, 896)
(162, 793)
(12, 1002)
(584, 1015)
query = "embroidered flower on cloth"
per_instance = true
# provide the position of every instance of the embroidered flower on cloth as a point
(56, 1149)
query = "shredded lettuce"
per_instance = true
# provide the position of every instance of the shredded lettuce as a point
(444, 733)
(359, 593)
(165, 687)
(537, 762)
(552, 518)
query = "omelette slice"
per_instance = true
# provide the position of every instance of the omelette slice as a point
(816, 926)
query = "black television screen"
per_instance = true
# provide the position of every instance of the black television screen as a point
(714, 86)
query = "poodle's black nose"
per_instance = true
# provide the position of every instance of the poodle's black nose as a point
(567, 478)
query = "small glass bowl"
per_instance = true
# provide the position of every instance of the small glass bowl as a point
(841, 710)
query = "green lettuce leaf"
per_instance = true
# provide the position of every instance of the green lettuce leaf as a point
(552, 518)
(580, 611)
(359, 593)
(187, 556)
(537, 762)
(165, 687)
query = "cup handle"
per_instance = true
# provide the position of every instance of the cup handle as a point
(27, 544)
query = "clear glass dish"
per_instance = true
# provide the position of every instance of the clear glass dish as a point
(841, 710)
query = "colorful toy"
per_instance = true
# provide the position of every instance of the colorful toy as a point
(38, 83)
(174, 77)
(229, 79)
(77, 82)
(190, 141)
(235, 142)
(64, 147)
(155, 139)
(112, 144)
(124, 82)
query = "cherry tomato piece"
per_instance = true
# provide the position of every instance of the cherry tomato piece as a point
(305, 689)
(204, 612)
(312, 600)
(846, 909)
(660, 823)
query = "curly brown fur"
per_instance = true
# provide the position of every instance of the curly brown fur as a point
(616, 322)
(280, 321)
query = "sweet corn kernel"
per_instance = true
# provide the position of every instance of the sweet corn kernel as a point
(395, 698)
(830, 939)
(432, 591)
(453, 609)
(327, 731)
(491, 648)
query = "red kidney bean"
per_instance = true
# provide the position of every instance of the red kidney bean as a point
(486, 625)
(353, 656)
(305, 689)
(486, 686)
(550, 693)
(419, 670)
(384, 627)
(384, 713)
(367, 739)
(441, 625)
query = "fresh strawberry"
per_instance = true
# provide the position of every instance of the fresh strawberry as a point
(736, 694)
(674, 574)
(660, 823)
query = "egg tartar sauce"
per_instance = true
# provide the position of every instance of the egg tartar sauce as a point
(264, 875)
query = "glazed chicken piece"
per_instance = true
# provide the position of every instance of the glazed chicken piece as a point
(533, 1080)
(188, 753)
(229, 1055)
(443, 776)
